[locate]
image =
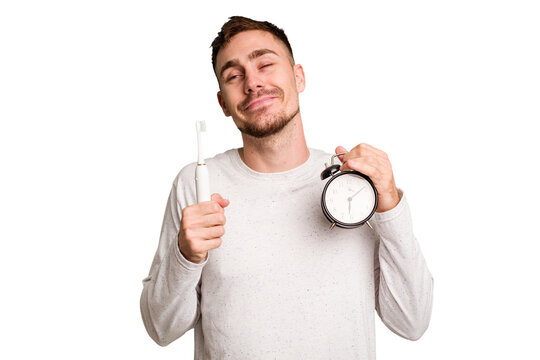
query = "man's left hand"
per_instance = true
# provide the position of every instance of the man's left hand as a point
(374, 163)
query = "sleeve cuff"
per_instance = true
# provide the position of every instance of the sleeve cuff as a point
(185, 263)
(381, 217)
(394, 223)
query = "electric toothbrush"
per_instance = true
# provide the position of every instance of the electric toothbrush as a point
(201, 172)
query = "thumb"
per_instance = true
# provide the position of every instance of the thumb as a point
(220, 200)
(341, 149)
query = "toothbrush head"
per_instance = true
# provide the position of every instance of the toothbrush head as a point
(201, 126)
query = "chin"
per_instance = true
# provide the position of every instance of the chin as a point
(266, 124)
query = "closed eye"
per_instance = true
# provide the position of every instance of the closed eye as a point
(230, 78)
(233, 77)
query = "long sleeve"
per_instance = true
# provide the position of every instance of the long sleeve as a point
(170, 300)
(403, 283)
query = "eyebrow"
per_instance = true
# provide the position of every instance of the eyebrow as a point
(254, 54)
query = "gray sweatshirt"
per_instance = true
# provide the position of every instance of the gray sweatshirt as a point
(282, 285)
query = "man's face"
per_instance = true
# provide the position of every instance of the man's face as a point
(258, 83)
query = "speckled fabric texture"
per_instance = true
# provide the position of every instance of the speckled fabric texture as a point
(283, 285)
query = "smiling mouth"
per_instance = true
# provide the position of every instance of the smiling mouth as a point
(259, 103)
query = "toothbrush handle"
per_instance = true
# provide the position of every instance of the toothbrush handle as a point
(202, 183)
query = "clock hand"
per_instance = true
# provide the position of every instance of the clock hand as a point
(357, 192)
(350, 205)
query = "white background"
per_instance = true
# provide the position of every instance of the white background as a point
(98, 101)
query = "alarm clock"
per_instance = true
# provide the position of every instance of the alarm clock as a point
(349, 198)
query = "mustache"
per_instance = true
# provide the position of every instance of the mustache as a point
(275, 92)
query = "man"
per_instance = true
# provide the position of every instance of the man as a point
(261, 275)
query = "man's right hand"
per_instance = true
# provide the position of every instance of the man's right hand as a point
(202, 228)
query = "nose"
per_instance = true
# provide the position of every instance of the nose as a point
(252, 82)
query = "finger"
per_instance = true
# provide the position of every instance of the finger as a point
(210, 220)
(223, 203)
(204, 221)
(205, 208)
(220, 200)
(341, 149)
(211, 244)
(213, 232)
(359, 151)
(366, 155)
(364, 149)
(365, 167)
(377, 150)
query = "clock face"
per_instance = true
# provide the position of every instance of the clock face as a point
(350, 198)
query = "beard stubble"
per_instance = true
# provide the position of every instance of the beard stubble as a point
(266, 124)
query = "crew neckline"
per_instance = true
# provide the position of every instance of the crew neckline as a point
(302, 171)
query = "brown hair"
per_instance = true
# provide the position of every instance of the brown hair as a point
(238, 24)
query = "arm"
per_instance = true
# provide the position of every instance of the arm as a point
(170, 300)
(403, 283)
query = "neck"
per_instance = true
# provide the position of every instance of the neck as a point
(280, 152)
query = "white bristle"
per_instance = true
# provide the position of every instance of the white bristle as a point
(201, 125)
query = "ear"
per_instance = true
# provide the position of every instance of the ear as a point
(300, 78)
(222, 104)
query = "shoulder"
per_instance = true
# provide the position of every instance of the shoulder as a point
(320, 155)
